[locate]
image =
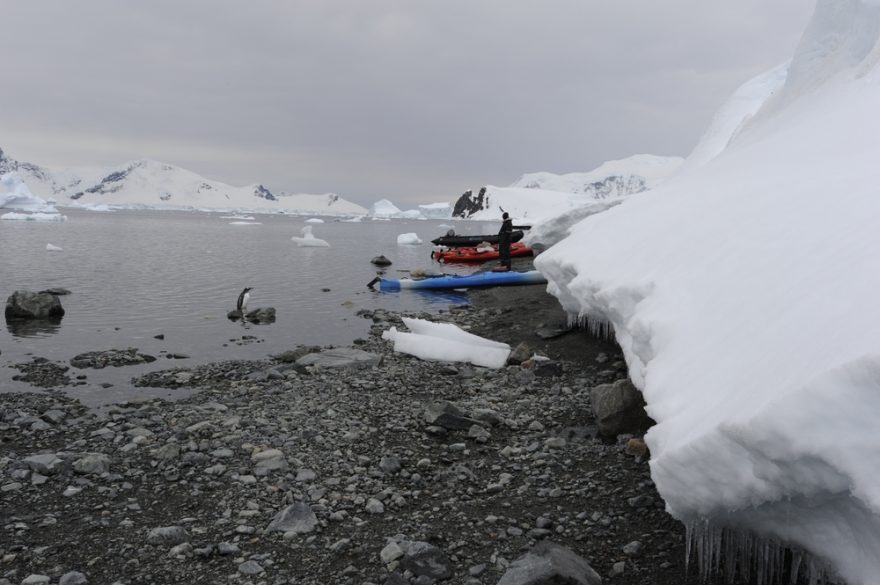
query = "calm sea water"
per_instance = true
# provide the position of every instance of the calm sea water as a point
(138, 274)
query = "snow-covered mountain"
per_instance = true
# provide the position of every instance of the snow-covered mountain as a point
(614, 178)
(743, 292)
(147, 183)
(541, 195)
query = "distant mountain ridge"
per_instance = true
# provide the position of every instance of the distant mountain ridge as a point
(152, 184)
(617, 178)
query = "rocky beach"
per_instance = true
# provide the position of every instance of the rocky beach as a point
(342, 465)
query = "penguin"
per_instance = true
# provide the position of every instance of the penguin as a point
(243, 298)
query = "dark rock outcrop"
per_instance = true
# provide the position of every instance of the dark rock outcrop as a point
(23, 304)
(468, 204)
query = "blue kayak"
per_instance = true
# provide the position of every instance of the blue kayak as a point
(449, 281)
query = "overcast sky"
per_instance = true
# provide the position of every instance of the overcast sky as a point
(413, 100)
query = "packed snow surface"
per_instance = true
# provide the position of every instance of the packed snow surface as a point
(447, 343)
(743, 292)
(527, 204)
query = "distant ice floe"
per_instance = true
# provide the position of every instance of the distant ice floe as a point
(238, 217)
(245, 223)
(447, 343)
(48, 217)
(357, 219)
(410, 239)
(314, 220)
(14, 194)
(308, 240)
(54, 248)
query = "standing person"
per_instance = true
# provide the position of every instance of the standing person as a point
(504, 239)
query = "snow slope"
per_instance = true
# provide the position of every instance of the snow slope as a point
(743, 292)
(151, 184)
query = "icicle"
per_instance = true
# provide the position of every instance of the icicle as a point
(743, 557)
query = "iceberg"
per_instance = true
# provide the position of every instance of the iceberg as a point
(743, 292)
(29, 207)
(308, 240)
(410, 239)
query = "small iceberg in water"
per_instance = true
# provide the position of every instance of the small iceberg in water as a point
(308, 240)
(54, 248)
(314, 220)
(410, 239)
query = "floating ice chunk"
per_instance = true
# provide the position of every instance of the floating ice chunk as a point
(314, 220)
(54, 248)
(410, 239)
(239, 217)
(245, 223)
(308, 240)
(447, 343)
(13, 216)
(357, 219)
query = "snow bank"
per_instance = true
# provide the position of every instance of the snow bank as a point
(744, 295)
(448, 343)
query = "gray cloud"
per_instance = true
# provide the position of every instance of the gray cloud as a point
(414, 100)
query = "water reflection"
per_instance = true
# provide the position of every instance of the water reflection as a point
(33, 327)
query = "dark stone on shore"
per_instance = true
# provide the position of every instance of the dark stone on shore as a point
(381, 261)
(42, 373)
(424, 559)
(449, 416)
(110, 357)
(261, 316)
(338, 358)
(619, 408)
(553, 331)
(297, 518)
(520, 353)
(550, 563)
(23, 304)
(290, 356)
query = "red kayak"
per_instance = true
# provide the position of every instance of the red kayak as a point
(479, 253)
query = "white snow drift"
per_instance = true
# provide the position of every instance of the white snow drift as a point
(744, 293)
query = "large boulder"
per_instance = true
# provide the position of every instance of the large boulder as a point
(550, 563)
(24, 304)
(619, 408)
